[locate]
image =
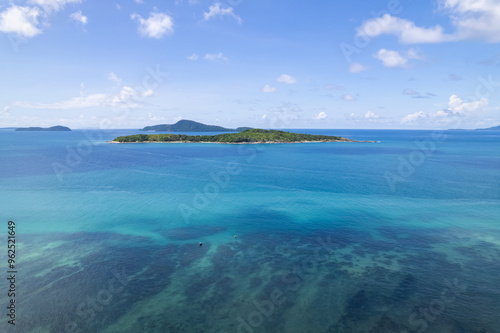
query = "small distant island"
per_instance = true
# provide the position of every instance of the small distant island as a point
(247, 136)
(191, 126)
(57, 128)
(495, 128)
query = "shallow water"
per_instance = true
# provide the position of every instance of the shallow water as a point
(397, 236)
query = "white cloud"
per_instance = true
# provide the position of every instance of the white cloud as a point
(78, 17)
(140, 2)
(393, 59)
(321, 115)
(371, 115)
(20, 20)
(268, 89)
(367, 117)
(414, 117)
(112, 77)
(127, 97)
(457, 106)
(472, 20)
(442, 113)
(215, 56)
(406, 31)
(157, 25)
(355, 67)
(24, 20)
(92, 100)
(285, 78)
(475, 19)
(217, 11)
(53, 5)
(347, 97)
(193, 56)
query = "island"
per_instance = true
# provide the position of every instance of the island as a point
(247, 136)
(495, 128)
(57, 128)
(191, 126)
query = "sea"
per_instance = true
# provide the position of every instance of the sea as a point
(398, 235)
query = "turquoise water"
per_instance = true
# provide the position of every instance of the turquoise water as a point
(402, 235)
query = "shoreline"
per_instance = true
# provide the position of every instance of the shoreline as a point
(245, 143)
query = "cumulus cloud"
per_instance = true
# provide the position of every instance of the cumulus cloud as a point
(24, 20)
(157, 25)
(216, 10)
(347, 97)
(471, 19)
(20, 20)
(193, 57)
(355, 67)
(414, 117)
(475, 19)
(456, 108)
(393, 59)
(214, 57)
(268, 89)
(79, 17)
(321, 115)
(285, 78)
(406, 31)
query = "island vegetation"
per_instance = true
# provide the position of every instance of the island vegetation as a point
(57, 128)
(247, 136)
(191, 126)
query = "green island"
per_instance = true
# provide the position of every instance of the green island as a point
(248, 136)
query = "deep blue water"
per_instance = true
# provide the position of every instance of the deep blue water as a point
(401, 235)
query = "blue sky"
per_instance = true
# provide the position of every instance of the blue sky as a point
(269, 64)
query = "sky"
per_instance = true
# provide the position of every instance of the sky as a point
(377, 64)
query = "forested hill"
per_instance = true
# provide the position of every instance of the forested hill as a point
(191, 126)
